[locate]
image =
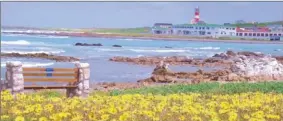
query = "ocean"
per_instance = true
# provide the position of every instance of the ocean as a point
(103, 70)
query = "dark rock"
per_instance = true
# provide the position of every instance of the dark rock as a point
(250, 54)
(42, 55)
(167, 47)
(85, 44)
(231, 53)
(116, 46)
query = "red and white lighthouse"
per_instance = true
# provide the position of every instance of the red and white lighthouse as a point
(197, 15)
(196, 18)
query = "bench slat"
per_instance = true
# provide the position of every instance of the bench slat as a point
(49, 80)
(51, 74)
(52, 69)
(48, 87)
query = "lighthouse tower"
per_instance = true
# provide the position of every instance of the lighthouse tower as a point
(196, 18)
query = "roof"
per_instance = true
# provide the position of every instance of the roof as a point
(167, 24)
(160, 28)
(260, 29)
(203, 25)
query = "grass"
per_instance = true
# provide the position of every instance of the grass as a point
(228, 88)
(214, 88)
(124, 30)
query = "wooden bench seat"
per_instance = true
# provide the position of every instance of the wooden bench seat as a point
(49, 87)
(57, 75)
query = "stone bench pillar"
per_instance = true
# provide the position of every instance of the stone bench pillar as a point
(14, 77)
(82, 89)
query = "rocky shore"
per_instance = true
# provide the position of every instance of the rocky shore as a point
(56, 58)
(244, 66)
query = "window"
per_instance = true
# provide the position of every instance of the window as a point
(196, 27)
(275, 34)
(250, 34)
(266, 34)
(207, 28)
(262, 34)
(227, 28)
(270, 34)
(258, 34)
(208, 32)
(241, 34)
(254, 34)
(246, 34)
(279, 34)
(233, 28)
(237, 34)
(203, 28)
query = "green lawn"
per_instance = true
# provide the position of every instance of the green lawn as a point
(214, 87)
(228, 88)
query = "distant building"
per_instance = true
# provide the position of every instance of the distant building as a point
(205, 30)
(162, 28)
(260, 32)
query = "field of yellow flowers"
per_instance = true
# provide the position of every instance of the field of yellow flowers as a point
(251, 106)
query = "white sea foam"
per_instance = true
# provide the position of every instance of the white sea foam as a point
(17, 42)
(33, 52)
(36, 36)
(108, 49)
(208, 48)
(31, 64)
(135, 39)
(49, 36)
(159, 50)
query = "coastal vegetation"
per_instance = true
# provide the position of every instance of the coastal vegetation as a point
(254, 101)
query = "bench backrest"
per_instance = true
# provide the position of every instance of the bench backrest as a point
(69, 75)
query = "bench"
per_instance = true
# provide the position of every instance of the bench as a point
(74, 80)
(68, 75)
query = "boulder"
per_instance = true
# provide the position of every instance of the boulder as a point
(42, 55)
(116, 46)
(85, 44)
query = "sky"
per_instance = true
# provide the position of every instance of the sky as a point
(132, 14)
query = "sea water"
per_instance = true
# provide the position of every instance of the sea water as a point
(103, 70)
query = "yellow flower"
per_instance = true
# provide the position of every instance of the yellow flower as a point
(20, 118)
(4, 117)
(124, 116)
(182, 118)
(105, 117)
(270, 116)
(43, 119)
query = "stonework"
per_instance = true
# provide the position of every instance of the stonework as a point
(14, 77)
(82, 89)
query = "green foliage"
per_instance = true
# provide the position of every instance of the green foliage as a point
(49, 93)
(228, 88)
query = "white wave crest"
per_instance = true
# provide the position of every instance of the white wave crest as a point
(17, 42)
(31, 64)
(108, 50)
(33, 52)
(158, 50)
(209, 48)
(36, 36)
(48, 36)
(135, 39)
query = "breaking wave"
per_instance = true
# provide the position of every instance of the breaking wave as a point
(17, 42)
(31, 64)
(209, 48)
(158, 50)
(33, 52)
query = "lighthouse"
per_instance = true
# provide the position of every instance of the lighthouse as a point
(196, 18)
